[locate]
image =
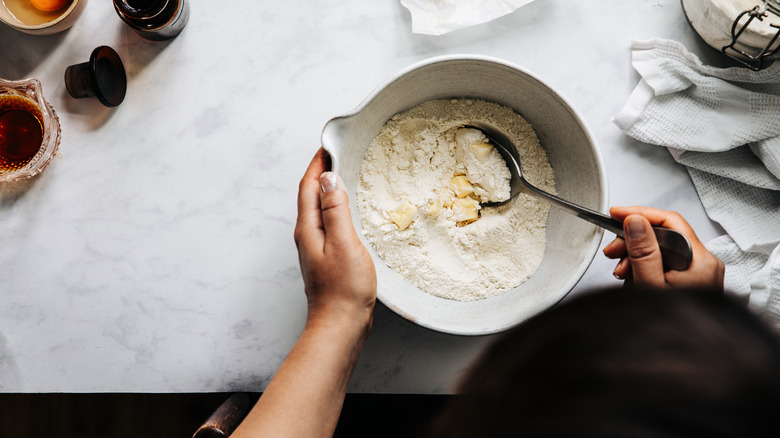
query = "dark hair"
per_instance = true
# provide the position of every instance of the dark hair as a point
(625, 363)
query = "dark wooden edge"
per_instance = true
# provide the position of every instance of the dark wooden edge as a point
(228, 416)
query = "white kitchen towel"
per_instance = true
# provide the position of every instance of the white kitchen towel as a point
(724, 126)
(437, 17)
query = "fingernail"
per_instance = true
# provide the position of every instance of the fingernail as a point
(329, 181)
(617, 268)
(635, 227)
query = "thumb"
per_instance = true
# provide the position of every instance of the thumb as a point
(334, 204)
(643, 252)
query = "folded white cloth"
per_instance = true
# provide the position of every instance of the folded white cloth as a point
(724, 126)
(437, 17)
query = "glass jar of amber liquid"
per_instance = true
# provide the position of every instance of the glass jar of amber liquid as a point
(155, 20)
(29, 130)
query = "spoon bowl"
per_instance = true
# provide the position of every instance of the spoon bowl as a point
(676, 250)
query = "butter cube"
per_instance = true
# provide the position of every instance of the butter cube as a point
(481, 150)
(465, 210)
(446, 198)
(403, 215)
(434, 207)
(461, 186)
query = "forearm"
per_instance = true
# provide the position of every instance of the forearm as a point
(305, 397)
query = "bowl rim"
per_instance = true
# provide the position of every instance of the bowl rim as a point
(19, 25)
(593, 245)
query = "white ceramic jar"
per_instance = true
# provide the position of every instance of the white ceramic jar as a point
(718, 22)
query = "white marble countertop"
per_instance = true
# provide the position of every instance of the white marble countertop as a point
(155, 253)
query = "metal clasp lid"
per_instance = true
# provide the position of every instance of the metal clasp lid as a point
(753, 61)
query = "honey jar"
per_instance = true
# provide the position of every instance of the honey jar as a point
(29, 130)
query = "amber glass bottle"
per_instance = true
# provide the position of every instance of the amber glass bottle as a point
(154, 20)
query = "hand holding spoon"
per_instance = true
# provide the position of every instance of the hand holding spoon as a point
(676, 250)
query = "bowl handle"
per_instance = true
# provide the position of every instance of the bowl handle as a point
(332, 138)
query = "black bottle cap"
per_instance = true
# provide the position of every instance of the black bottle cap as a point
(102, 76)
(142, 9)
(142, 5)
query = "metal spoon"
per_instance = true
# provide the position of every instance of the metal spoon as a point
(676, 250)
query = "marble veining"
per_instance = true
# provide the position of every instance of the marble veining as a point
(155, 253)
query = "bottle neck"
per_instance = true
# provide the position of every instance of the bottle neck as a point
(144, 9)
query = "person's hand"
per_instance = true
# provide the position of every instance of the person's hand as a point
(305, 396)
(337, 270)
(640, 258)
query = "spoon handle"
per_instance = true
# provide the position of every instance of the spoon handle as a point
(676, 250)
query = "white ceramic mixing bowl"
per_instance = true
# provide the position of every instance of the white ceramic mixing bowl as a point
(571, 149)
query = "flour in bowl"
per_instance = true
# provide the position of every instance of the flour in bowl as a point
(422, 181)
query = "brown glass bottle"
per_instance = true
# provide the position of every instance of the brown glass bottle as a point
(154, 20)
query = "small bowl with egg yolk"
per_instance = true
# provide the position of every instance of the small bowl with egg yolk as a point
(41, 17)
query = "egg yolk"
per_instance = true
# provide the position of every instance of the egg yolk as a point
(48, 5)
